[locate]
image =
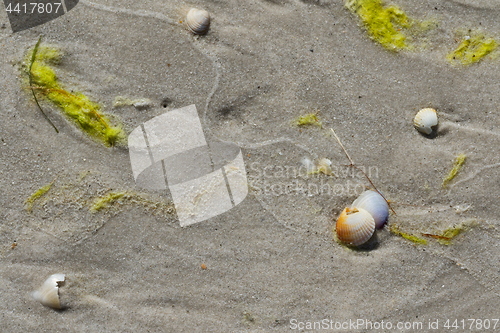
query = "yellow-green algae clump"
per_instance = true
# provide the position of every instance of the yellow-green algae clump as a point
(448, 234)
(473, 48)
(76, 106)
(445, 237)
(308, 119)
(36, 195)
(106, 200)
(459, 161)
(412, 238)
(384, 24)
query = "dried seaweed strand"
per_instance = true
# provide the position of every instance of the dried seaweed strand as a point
(354, 166)
(410, 205)
(437, 236)
(33, 57)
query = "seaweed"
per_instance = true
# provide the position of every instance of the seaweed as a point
(384, 24)
(106, 200)
(76, 106)
(31, 83)
(132, 197)
(452, 232)
(473, 48)
(352, 165)
(459, 161)
(412, 238)
(308, 119)
(445, 237)
(37, 195)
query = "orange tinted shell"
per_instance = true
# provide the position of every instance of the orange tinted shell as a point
(355, 226)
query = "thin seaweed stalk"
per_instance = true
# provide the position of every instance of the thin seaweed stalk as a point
(33, 57)
(354, 166)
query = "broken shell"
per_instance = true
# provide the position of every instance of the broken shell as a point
(324, 165)
(374, 204)
(198, 21)
(425, 120)
(355, 226)
(48, 294)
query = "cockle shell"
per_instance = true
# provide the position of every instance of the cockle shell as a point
(198, 21)
(425, 120)
(48, 294)
(374, 204)
(355, 226)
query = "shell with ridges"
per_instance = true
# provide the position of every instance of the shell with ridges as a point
(48, 294)
(425, 120)
(355, 226)
(198, 21)
(374, 204)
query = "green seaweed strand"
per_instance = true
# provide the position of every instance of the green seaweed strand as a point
(76, 106)
(33, 57)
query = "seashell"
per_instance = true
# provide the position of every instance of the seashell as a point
(324, 165)
(425, 120)
(355, 226)
(375, 204)
(48, 294)
(198, 21)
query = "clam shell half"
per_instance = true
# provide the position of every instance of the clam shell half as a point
(198, 21)
(355, 226)
(48, 294)
(425, 120)
(374, 204)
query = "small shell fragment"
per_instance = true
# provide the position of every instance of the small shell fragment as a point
(355, 226)
(198, 21)
(374, 204)
(425, 120)
(324, 166)
(48, 294)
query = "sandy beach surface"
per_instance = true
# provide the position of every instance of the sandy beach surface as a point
(271, 263)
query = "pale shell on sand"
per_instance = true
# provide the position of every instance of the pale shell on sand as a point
(375, 204)
(48, 294)
(198, 21)
(425, 120)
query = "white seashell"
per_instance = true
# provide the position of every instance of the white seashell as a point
(48, 294)
(198, 21)
(374, 204)
(425, 120)
(355, 226)
(324, 165)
